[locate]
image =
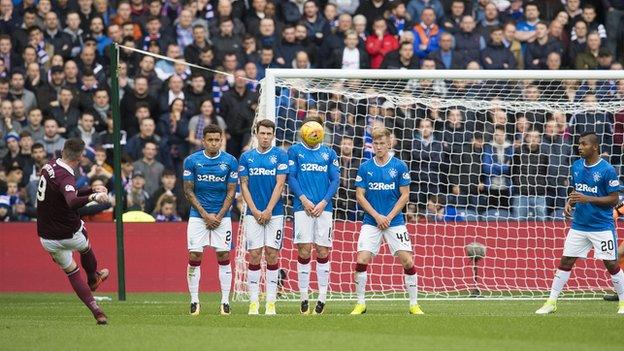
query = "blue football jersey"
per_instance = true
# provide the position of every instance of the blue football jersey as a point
(262, 169)
(382, 183)
(211, 176)
(597, 180)
(313, 168)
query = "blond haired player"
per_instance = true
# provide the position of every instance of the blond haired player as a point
(383, 191)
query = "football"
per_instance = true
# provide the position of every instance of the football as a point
(312, 133)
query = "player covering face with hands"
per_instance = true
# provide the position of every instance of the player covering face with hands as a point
(382, 190)
(262, 173)
(59, 227)
(596, 187)
(210, 177)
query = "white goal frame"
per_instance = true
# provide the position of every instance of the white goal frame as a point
(267, 109)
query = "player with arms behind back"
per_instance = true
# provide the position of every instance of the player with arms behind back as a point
(314, 176)
(210, 177)
(59, 226)
(262, 173)
(595, 194)
(382, 190)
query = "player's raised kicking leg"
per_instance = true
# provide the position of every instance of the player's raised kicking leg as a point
(61, 252)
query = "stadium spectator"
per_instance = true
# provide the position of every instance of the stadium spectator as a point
(403, 58)
(426, 33)
(537, 51)
(65, 113)
(146, 134)
(52, 140)
(335, 40)
(165, 210)
(579, 44)
(351, 56)
(380, 43)
(426, 159)
(468, 42)
(445, 57)
(415, 8)
(399, 19)
(237, 108)
(588, 59)
(497, 159)
(558, 152)
(451, 21)
(496, 55)
(590, 16)
(529, 175)
(150, 167)
(370, 10)
(17, 90)
(85, 130)
(7, 54)
(525, 30)
(136, 196)
(490, 20)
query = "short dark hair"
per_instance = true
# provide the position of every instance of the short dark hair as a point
(593, 137)
(531, 3)
(212, 128)
(24, 134)
(267, 123)
(168, 173)
(37, 146)
(73, 149)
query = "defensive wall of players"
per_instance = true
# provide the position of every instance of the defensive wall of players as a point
(155, 255)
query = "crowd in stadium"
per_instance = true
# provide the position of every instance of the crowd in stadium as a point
(55, 84)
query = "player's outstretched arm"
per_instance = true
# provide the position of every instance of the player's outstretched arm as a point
(382, 221)
(398, 207)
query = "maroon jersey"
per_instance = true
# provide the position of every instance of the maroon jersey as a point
(57, 201)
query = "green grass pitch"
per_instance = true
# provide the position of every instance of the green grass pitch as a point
(161, 321)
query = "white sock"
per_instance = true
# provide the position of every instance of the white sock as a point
(411, 285)
(225, 278)
(322, 275)
(360, 286)
(193, 273)
(253, 283)
(303, 274)
(618, 284)
(559, 282)
(272, 277)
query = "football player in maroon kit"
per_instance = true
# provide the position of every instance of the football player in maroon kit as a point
(59, 226)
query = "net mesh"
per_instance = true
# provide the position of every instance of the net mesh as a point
(489, 162)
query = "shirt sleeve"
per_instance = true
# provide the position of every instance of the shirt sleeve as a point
(233, 176)
(282, 163)
(243, 170)
(67, 187)
(612, 182)
(360, 179)
(189, 170)
(404, 173)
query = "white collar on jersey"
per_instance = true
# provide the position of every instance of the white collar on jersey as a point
(390, 156)
(266, 152)
(64, 165)
(211, 158)
(309, 148)
(590, 166)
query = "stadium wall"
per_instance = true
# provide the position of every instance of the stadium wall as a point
(519, 256)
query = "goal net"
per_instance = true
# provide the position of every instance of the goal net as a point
(489, 154)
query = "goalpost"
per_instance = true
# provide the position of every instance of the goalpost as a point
(473, 235)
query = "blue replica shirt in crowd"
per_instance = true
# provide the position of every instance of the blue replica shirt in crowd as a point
(262, 169)
(314, 173)
(211, 176)
(597, 180)
(382, 183)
